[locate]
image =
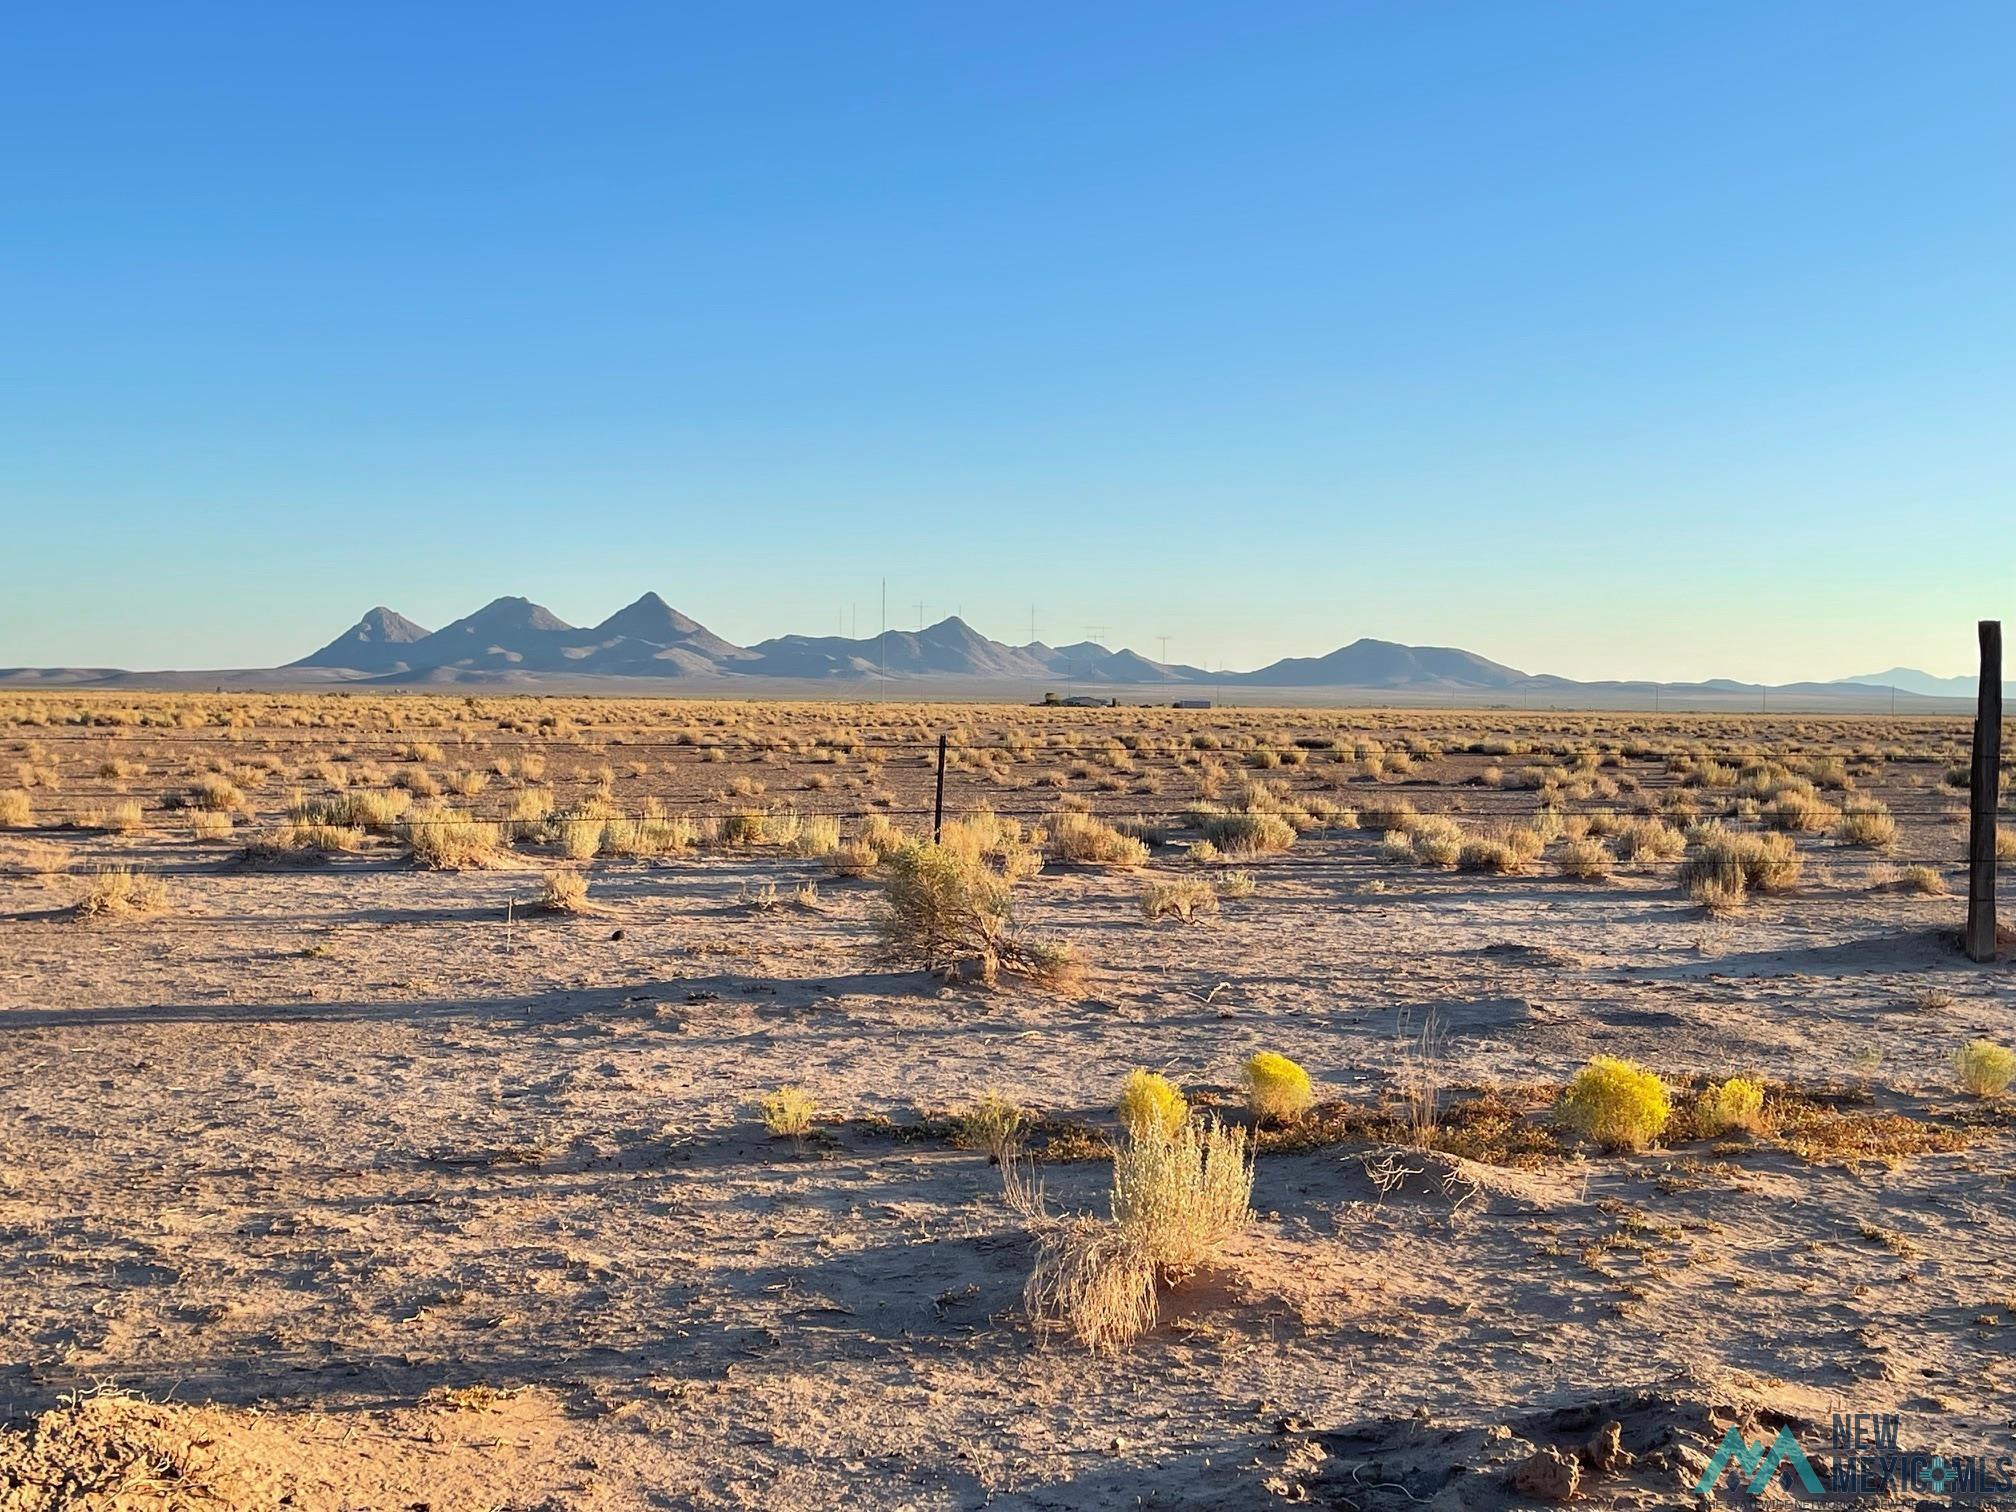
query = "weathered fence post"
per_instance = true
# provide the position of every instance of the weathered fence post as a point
(1984, 797)
(938, 808)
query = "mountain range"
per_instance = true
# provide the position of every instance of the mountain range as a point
(510, 639)
(513, 641)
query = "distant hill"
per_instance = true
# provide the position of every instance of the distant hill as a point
(515, 642)
(1911, 680)
(1386, 664)
(376, 643)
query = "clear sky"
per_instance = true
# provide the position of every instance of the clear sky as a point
(1601, 338)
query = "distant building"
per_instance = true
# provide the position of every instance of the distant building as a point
(1191, 703)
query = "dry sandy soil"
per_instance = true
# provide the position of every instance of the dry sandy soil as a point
(381, 1189)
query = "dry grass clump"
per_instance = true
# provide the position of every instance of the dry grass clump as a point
(788, 1113)
(1427, 840)
(1185, 898)
(1587, 860)
(1248, 834)
(1095, 1281)
(1737, 1103)
(1923, 880)
(1236, 883)
(1647, 839)
(298, 837)
(1176, 1197)
(1985, 1068)
(448, 839)
(379, 811)
(565, 892)
(1867, 823)
(1093, 842)
(1801, 811)
(1506, 850)
(119, 892)
(1151, 1105)
(854, 858)
(946, 912)
(1727, 866)
(818, 837)
(214, 792)
(1277, 1090)
(122, 818)
(1617, 1103)
(206, 824)
(17, 809)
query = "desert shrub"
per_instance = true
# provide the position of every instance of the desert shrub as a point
(993, 1123)
(1431, 840)
(17, 809)
(1507, 849)
(1924, 880)
(818, 836)
(204, 824)
(565, 892)
(1985, 1068)
(1621, 1106)
(1387, 814)
(1801, 811)
(1650, 839)
(1093, 1280)
(1151, 1106)
(213, 792)
(1867, 823)
(448, 839)
(1737, 1103)
(299, 837)
(1081, 838)
(1185, 1191)
(1726, 866)
(122, 818)
(1587, 860)
(945, 912)
(745, 827)
(1185, 898)
(531, 808)
(1249, 834)
(118, 891)
(379, 811)
(1277, 1090)
(580, 839)
(1236, 883)
(1175, 1198)
(788, 1112)
(854, 858)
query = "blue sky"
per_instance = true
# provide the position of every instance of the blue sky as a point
(1604, 339)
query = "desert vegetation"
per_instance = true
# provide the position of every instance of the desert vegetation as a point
(675, 1066)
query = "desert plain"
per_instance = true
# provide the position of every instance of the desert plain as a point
(383, 1094)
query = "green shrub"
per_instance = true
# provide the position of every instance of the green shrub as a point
(1621, 1106)
(1151, 1106)
(1277, 1090)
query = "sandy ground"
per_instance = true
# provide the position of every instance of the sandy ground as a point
(446, 1205)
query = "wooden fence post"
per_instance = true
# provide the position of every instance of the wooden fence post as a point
(1984, 797)
(938, 808)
